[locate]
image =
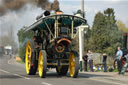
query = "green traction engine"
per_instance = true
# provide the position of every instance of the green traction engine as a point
(51, 45)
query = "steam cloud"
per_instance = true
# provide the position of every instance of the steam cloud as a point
(16, 5)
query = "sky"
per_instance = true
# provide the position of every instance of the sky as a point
(94, 6)
(27, 15)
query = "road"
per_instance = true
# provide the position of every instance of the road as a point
(13, 73)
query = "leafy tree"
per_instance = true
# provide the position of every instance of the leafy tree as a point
(23, 37)
(122, 26)
(105, 36)
(9, 38)
(98, 40)
(86, 39)
(114, 35)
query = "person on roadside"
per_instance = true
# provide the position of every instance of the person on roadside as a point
(104, 62)
(125, 65)
(119, 55)
(90, 60)
(85, 58)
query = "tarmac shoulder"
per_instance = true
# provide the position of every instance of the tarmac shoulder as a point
(107, 76)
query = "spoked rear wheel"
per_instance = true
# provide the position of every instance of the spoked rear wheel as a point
(28, 58)
(42, 64)
(73, 64)
(30, 70)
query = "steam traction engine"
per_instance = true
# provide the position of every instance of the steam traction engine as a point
(51, 46)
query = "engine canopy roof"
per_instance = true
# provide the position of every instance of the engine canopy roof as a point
(63, 18)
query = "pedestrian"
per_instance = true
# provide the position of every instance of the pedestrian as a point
(90, 59)
(104, 62)
(85, 58)
(119, 55)
(125, 65)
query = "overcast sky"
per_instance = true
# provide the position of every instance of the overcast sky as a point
(27, 15)
(93, 6)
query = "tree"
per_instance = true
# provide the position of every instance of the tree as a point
(122, 26)
(98, 40)
(105, 36)
(86, 39)
(114, 34)
(9, 38)
(22, 38)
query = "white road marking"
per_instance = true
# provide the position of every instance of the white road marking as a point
(4, 71)
(44, 83)
(14, 74)
(21, 76)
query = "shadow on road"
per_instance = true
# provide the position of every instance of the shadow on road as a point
(55, 75)
(84, 75)
(9, 77)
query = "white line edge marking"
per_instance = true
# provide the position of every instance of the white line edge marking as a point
(44, 83)
(4, 71)
(21, 76)
(15, 74)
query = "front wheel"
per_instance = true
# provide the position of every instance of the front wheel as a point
(42, 64)
(73, 64)
(30, 70)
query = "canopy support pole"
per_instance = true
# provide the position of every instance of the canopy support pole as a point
(81, 43)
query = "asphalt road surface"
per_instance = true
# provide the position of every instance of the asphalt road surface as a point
(12, 73)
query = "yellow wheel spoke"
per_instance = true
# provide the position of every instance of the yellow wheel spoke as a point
(28, 58)
(40, 64)
(71, 64)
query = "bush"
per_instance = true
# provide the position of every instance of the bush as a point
(23, 37)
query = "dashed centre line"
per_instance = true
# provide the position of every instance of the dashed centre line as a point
(4, 71)
(14, 74)
(21, 76)
(44, 83)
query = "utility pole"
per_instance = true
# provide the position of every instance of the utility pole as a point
(82, 4)
(82, 7)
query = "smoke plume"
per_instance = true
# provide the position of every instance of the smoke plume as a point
(16, 5)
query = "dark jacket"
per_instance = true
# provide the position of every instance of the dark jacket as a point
(85, 57)
(104, 58)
